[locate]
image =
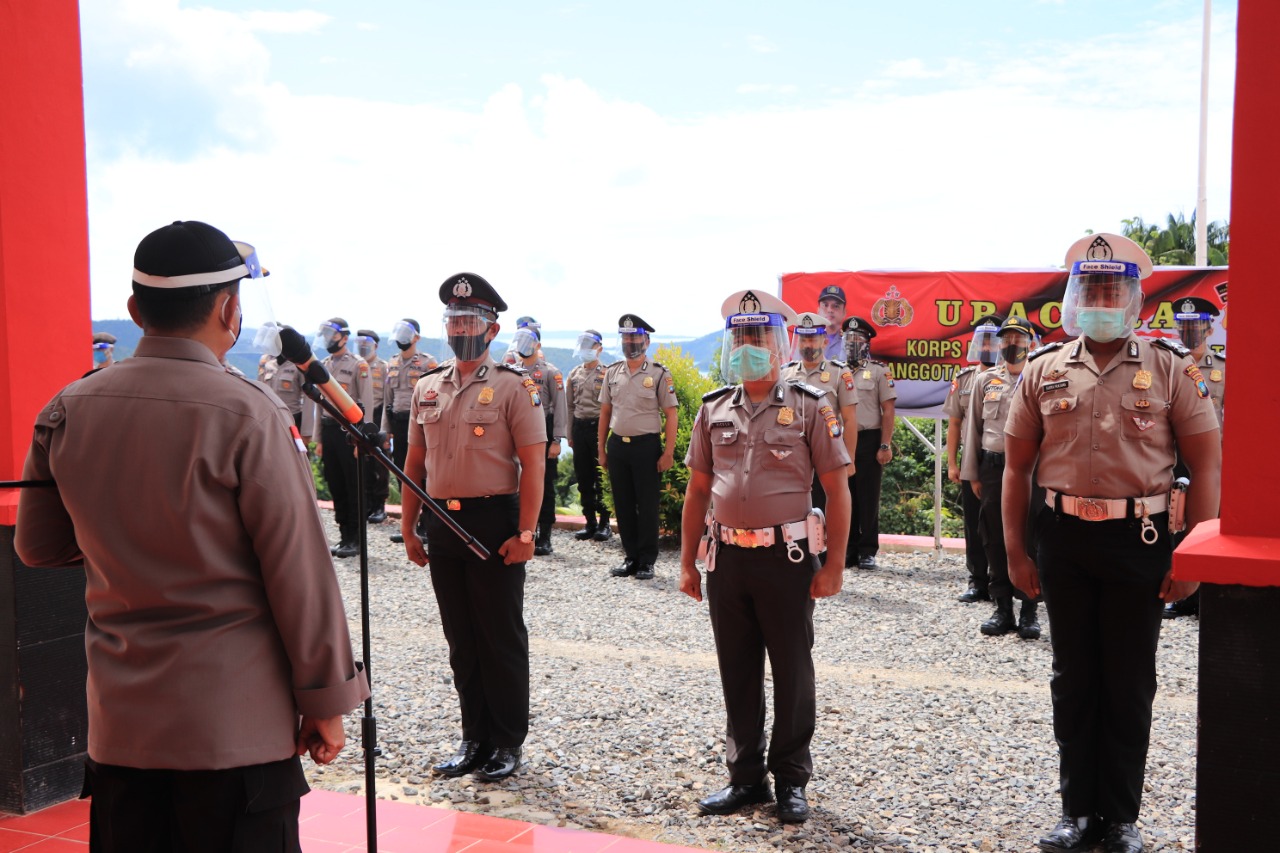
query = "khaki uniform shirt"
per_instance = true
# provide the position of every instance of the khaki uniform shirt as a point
(834, 377)
(471, 429)
(378, 379)
(1214, 369)
(1105, 433)
(397, 391)
(215, 618)
(639, 398)
(762, 461)
(957, 403)
(584, 391)
(550, 382)
(352, 373)
(874, 382)
(286, 380)
(988, 411)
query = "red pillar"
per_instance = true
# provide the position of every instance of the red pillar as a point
(44, 301)
(1237, 558)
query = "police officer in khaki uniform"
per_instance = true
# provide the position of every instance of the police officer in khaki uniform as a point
(286, 380)
(404, 369)
(104, 350)
(876, 394)
(812, 367)
(983, 471)
(586, 381)
(336, 453)
(479, 438)
(527, 346)
(638, 399)
(1104, 415)
(377, 480)
(981, 355)
(752, 454)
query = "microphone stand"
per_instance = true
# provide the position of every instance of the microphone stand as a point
(365, 437)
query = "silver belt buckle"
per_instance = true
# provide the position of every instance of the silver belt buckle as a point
(1089, 509)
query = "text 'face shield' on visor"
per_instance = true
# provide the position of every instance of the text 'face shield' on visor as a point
(753, 347)
(809, 343)
(1107, 292)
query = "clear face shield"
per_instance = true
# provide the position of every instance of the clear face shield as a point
(255, 303)
(1193, 329)
(809, 344)
(366, 346)
(327, 337)
(985, 345)
(465, 328)
(102, 352)
(1102, 301)
(633, 342)
(753, 347)
(857, 347)
(404, 334)
(587, 348)
(524, 343)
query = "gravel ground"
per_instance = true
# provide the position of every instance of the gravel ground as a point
(930, 737)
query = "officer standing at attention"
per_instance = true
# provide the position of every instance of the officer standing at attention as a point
(982, 354)
(479, 438)
(638, 399)
(1194, 322)
(752, 453)
(586, 380)
(875, 431)
(285, 379)
(831, 305)
(377, 479)
(1104, 415)
(983, 471)
(527, 345)
(404, 369)
(216, 642)
(835, 377)
(336, 453)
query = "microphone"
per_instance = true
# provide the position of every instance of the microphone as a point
(294, 348)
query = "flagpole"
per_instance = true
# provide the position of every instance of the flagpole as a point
(1202, 218)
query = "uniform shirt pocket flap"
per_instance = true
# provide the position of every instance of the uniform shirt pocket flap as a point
(429, 415)
(724, 435)
(480, 416)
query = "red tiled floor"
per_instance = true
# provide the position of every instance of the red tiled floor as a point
(334, 823)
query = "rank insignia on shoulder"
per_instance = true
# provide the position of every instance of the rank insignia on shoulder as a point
(836, 363)
(518, 371)
(812, 390)
(1171, 345)
(719, 392)
(1044, 349)
(968, 369)
(436, 369)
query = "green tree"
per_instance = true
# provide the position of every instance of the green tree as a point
(906, 492)
(1175, 244)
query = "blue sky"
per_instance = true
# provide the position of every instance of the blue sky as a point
(593, 158)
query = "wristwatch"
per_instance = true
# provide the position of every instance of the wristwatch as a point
(884, 447)
(526, 537)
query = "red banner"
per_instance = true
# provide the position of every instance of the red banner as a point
(924, 320)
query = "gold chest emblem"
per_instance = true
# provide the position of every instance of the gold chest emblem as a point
(1142, 380)
(786, 416)
(648, 382)
(486, 396)
(825, 376)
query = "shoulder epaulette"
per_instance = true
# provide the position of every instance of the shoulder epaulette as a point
(719, 392)
(518, 371)
(659, 365)
(436, 369)
(843, 365)
(790, 364)
(614, 364)
(1046, 348)
(815, 393)
(965, 370)
(1172, 346)
(1220, 355)
(877, 361)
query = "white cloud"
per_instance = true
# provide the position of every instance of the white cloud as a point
(579, 207)
(766, 89)
(760, 44)
(367, 26)
(301, 21)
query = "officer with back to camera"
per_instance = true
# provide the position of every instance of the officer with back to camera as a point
(404, 369)
(478, 437)
(586, 381)
(638, 400)
(753, 452)
(1105, 415)
(981, 355)
(876, 394)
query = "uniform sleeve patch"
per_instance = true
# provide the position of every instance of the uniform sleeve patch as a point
(1193, 372)
(535, 399)
(833, 424)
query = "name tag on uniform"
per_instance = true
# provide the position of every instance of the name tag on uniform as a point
(1056, 386)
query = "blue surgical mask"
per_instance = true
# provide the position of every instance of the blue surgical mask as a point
(1102, 324)
(586, 355)
(749, 363)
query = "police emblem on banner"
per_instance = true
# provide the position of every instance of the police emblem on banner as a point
(892, 309)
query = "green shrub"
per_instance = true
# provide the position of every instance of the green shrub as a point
(690, 385)
(906, 495)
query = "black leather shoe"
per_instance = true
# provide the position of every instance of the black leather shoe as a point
(502, 764)
(470, 755)
(585, 533)
(1123, 838)
(1001, 622)
(1028, 622)
(729, 800)
(644, 572)
(1189, 606)
(542, 549)
(603, 533)
(625, 570)
(1072, 834)
(333, 549)
(792, 806)
(972, 595)
(347, 549)
(378, 516)
(867, 563)
(398, 538)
